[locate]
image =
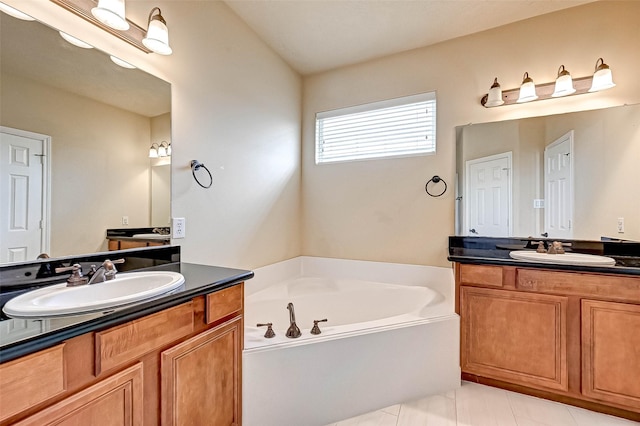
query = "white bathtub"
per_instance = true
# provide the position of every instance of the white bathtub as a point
(391, 336)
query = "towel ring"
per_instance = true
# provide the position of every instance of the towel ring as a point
(436, 179)
(195, 166)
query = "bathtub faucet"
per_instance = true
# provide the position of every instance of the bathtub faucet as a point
(293, 331)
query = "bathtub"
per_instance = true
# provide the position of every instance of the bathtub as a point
(392, 336)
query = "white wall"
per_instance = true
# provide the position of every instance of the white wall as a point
(378, 210)
(235, 108)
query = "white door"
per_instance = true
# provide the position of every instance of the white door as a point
(23, 195)
(558, 187)
(488, 188)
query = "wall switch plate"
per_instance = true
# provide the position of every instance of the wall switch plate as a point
(125, 220)
(621, 225)
(179, 230)
(538, 203)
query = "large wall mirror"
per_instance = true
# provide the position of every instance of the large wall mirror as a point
(83, 126)
(573, 176)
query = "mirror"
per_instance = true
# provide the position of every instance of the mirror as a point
(589, 189)
(92, 122)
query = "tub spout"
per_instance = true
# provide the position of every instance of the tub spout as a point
(293, 331)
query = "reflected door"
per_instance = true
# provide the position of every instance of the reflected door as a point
(488, 205)
(23, 233)
(558, 186)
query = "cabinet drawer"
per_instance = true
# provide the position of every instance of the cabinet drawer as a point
(31, 380)
(133, 339)
(224, 303)
(481, 275)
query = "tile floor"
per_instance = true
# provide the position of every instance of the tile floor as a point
(478, 405)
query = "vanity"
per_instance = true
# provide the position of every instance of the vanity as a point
(126, 238)
(570, 333)
(173, 359)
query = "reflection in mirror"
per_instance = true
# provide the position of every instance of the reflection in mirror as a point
(81, 127)
(566, 176)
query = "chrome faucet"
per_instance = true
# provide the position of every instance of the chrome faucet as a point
(293, 331)
(107, 271)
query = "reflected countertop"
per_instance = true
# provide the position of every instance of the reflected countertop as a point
(19, 337)
(495, 251)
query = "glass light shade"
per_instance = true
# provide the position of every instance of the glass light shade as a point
(123, 64)
(76, 42)
(495, 95)
(169, 150)
(111, 13)
(15, 12)
(157, 38)
(162, 151)
(153, 151)
(564, 84)
(527, 90)
(602, 78)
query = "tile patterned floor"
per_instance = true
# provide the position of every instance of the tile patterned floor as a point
(478, 405)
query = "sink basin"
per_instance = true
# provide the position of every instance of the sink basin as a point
(577, 259)
(152, 236)
(60, 300)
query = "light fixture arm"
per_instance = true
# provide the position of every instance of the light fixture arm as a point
(157, 17)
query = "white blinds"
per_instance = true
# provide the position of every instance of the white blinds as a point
(396, 127)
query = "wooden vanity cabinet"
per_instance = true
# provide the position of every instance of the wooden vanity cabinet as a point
(178, 366)
(568, 336)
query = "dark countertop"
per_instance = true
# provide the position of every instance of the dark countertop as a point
(199, 280)
(495, 251)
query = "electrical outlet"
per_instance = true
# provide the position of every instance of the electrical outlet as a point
(621, 225)
(179, 230)
(125, 220)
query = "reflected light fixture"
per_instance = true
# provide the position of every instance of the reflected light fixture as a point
(161, 150)
(76, 42)
(564, 84)
(527, 90)
(123, 64)
(111, 13)
(495, 95)
(15, 12)
(602, 78)
(157, 37)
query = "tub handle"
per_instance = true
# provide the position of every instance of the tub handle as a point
(316, 329)
(270, 333)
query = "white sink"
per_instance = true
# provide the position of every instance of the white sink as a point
(151, 236)
(577, 259)
(60, 300)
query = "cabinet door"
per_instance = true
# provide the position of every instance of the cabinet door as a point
(611, 352)
(513, 336)
(201, 378)
(115, 401)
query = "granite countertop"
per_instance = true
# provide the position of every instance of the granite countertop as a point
(495, 251)
(41, 334)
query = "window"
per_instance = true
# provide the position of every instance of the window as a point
(391, 128)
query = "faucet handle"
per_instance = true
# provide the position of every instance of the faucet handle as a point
(540, 248)
(270, 333)
(76, 277)
(316, 329)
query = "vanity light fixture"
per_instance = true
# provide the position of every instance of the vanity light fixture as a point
(153, 150)
(111, 13)
(123, 64)
(495, 95)
(602, 78)
(564, 84)
(527, 90)
(76, 42)
(15, 12)
(157, 37)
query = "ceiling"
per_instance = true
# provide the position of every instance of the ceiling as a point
(319, 35)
